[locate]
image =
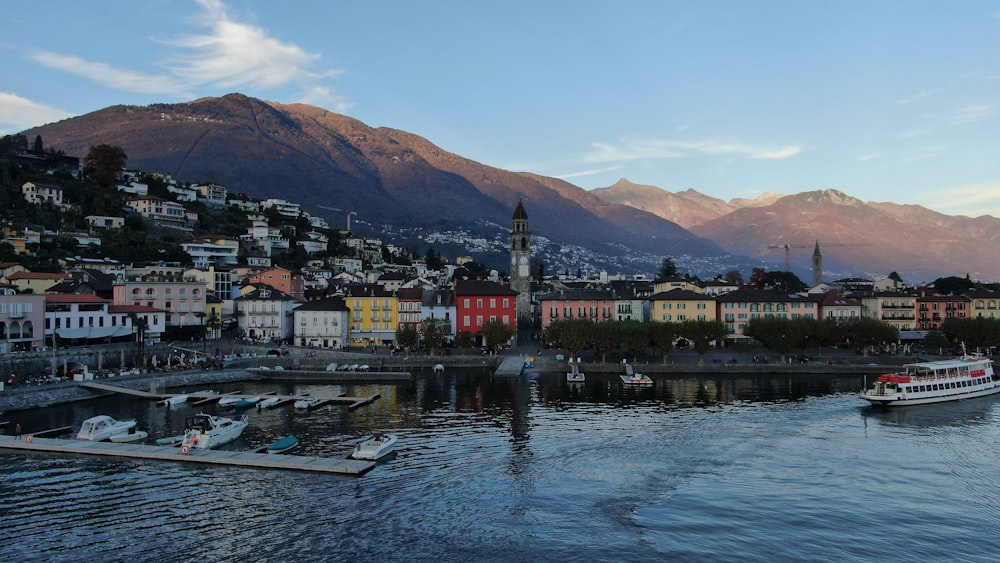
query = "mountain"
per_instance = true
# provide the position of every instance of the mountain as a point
(871, 238)
(686, 208)
(329, 162)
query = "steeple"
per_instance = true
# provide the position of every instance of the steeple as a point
(520, 261)
(817, 266)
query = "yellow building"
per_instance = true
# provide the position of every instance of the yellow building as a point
(36, 282)
(679, 305)
(373, 318)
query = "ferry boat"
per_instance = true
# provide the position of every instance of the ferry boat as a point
(965, 377)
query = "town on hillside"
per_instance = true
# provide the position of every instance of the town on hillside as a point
(93, 253)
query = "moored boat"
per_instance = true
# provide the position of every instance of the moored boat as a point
(634, 378)
(247, 402)
(175, 400)
(283, 445)
(132, 435)
(229, 401)
(307, 403)
(206, 431)
(965, 377)
(268, 402)
(170, 440)
(103, 427)
(375, 447)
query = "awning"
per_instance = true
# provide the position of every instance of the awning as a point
(90, 332)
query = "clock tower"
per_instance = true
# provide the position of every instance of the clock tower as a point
(520, 262)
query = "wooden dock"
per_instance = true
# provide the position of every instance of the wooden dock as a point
(512, 366)
(172, 453)
(352, 402)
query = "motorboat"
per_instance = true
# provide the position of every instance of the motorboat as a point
(206, 431)
(575, 375)
(170, 440)
(175, 400)
(634, 378)
(103, 427)
(229, 401)
(132, 435)
(268, 402)
(375, 447)
(306, 403)
(247, 402)
(965, 377)
(283, 445)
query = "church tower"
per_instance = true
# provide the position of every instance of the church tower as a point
(520, 262)
(817, 266)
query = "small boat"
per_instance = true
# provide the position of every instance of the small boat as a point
(438, 368)
(229, 401)
(132, 435)
(170, 440)
(965, 377)
(247, 402)
(637, 380)
(307, 403)
(268, 402)
(206, 431)
(331, 367)
(175, 400)
(283, 445)
(103, 427)
(375, 447)
(575, 376)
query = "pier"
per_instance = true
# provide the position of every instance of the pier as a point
(29, 442)
(512, 366)
(352, 402)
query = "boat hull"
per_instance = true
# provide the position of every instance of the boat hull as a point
(206, 431)
(899, 401)
(375, 447)
(283, 445)
(941, 381)
(137, 436)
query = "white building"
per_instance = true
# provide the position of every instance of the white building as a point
(323, 323)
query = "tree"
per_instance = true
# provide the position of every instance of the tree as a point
(953, 285)
(734, 277)
(668, 269)
(465, 339)
(406, 336)
(604, 336)
(868, 332)
(635, 336)
(757, 277)
(105, 162)
(977, 333)
(702, 334)
(37, 146)
(785, 282)
(772, 332)
(433, 260)
(935, 342)
(434, 331)
(663, 336)
(497, 333)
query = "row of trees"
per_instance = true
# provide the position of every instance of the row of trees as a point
(433, 333)
(777, 335)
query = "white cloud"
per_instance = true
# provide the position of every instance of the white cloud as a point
(107, 75)
(919, 95)
(636, 149)
(588, 172)
(17, 113)
(972, 200)
(231, 55)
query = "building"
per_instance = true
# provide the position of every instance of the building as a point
(183, 303)
(737, 308)
(79, 318)
(22, 318)
(38, 193)
(595, 305)
(373, 314)
(410, 301)
(104, 221)
(679, 305)
(480, 302)
(285, 281)
(324, 323)
(983, 303)
(520, 263)
(894, 308)
(159, 211)
(439, 304)
(265, 314)
(36, 282)
(934, 310)
(212, 251)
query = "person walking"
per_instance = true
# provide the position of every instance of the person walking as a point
(17, 431)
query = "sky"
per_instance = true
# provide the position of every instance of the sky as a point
(887, 101)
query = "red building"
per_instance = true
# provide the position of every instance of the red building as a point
(479, 302)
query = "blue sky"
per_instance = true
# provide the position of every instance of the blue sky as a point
(886, 101)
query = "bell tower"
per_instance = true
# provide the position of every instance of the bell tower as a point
(520, 262)
(817, 266)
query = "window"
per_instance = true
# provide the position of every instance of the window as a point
(493, 303)
(467, 303)
(479, 303)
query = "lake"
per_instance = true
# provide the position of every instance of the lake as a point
(694, 469)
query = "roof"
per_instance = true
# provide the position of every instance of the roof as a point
(38, 276)
(577, 295)
(678, 294)
(479, 287)
(74, 298)
(519, 212)
(762, 296)
(133, 309)
(327, 304)
(265, 293)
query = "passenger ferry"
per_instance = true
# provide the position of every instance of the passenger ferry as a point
(965, 377)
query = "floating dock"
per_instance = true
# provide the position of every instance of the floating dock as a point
(29, 442)
(352, 402)
(512, 366)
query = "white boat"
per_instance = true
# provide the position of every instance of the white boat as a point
(637, 380)
(206, 431)
(175, 400)
(103, 427)
(229, 401)
(375, 447)
(965, 377)
(575, 375)
(132, 436)
(268, 402)
(307, 403)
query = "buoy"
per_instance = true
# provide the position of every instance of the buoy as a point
(185, 450)
(29, 438)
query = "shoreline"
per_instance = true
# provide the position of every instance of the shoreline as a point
(34, 396)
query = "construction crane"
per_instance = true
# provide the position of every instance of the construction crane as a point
(348, 212)
(788, 249)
